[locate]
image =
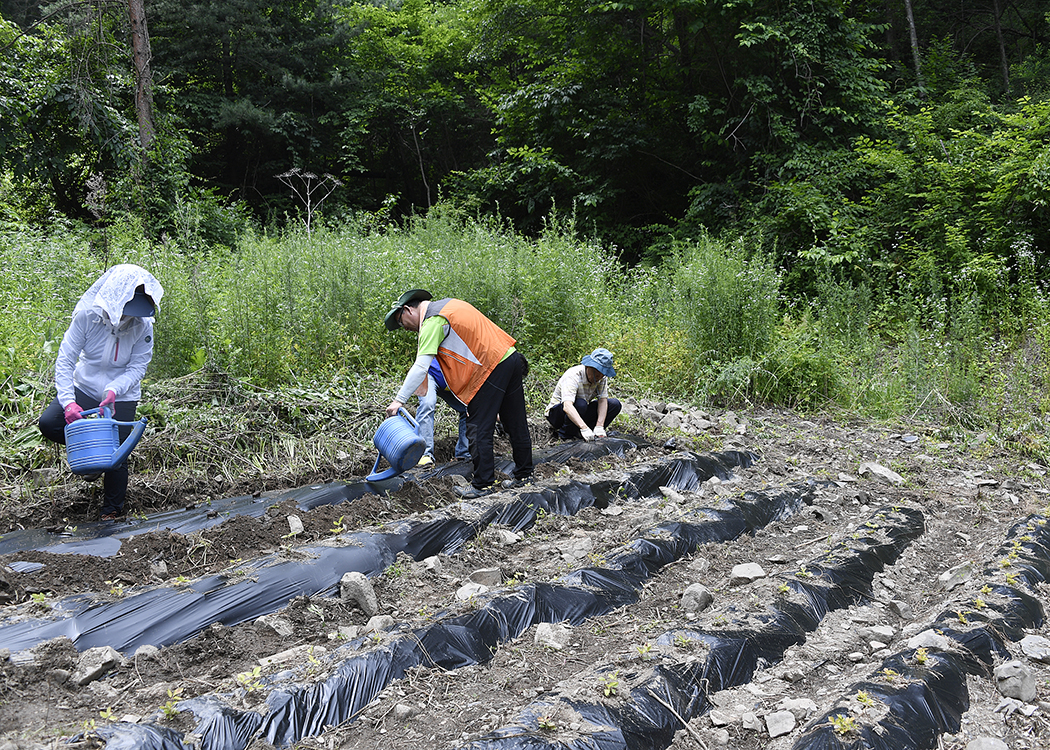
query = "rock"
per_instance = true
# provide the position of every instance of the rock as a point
(295, 525)
(750, 720)
(94, 663)
(672, 420)
(696, 598)
(780, 723)
(506, 537)
(469, 591)
(800, 708)
(146, 651)
(553, 635)
(880, 471)
(956, 576)
(672, 494)
(746, 573)
(403, 711)
(929, 639)
(1036, 648)
(1014, 680)
(432, 563)
(279, 625)
(355, 588)
(378, 624)
(720, 738)
(487, 576)
(987, 743)
(293, 655)
(882, 633)
(722, 719)
(903, 610)
(159, 569)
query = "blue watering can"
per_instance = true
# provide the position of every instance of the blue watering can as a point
(93, 445)
(399, 442)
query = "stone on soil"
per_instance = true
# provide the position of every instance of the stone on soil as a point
(355, 588)
(1014, 680)
(696, 598)
(94, 663)
(779, 723)
(553, 635)
(746, 573)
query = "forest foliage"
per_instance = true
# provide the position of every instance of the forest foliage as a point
(752, 200)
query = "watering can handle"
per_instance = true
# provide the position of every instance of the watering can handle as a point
(404, 413)
(106, 412)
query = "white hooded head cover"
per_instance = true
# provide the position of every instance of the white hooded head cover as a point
(116, 287)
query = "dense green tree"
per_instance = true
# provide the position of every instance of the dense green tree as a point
(638, 111)
(64, 105)
(417, 116)
(259, 86)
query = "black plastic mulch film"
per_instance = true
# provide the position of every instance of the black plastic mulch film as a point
(265, 585)
(168, 615)
(676, 687)
(293, 711)
(920, 697)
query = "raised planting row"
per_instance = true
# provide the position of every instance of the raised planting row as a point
(165, 615)
(642, 703)
(920, 693)
(299, 706)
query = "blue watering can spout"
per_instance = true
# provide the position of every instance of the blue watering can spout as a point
(93, 445)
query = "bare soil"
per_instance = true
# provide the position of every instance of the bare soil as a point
(969, 487)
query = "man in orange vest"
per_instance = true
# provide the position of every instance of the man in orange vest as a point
(482, 369)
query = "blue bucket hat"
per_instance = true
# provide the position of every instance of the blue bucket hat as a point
(602, 361)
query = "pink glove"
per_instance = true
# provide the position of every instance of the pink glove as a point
(72, 412)
(108, 401)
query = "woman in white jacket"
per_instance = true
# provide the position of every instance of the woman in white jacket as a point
(102, 361)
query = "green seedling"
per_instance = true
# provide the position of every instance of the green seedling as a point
(986, 589)
(40, 598)
(610, 683)
(116, 588)
(546, 723)
(338, 527)
(921, 655)
(250, 680)
(864, 699)
(979, 603)
(843, 724)
(644, 650)
(889, 675)
(171, 707)
(108, 714)
(961, 616)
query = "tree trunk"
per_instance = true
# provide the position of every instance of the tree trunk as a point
(1002, 45)
(914, 44)
(143, 75)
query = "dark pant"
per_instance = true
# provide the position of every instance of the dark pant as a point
(115, 483)
(566, 429)
(502, 395)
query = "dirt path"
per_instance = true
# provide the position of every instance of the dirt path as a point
(967, 491)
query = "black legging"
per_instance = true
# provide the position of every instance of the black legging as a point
(567, 429)
(52, 425)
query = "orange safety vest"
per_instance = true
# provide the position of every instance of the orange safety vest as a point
(472, 347)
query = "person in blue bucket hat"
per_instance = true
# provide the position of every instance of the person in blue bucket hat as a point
(102, 360)
(580, 406)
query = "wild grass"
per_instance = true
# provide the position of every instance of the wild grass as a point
(297, 318)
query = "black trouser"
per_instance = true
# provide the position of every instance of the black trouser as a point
(115, 483)
(501, 394)
(565, 428)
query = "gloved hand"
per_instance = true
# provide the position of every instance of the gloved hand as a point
(586, 434)
(599, 431)
(108, 401)
(72, 412)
